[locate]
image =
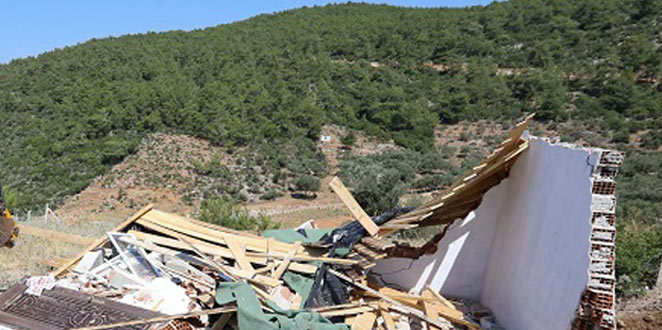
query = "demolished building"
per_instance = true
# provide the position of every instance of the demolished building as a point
(529, 235)
(538, 249)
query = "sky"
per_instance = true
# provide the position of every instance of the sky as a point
(31, 27)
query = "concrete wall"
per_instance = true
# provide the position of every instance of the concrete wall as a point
(524, 251)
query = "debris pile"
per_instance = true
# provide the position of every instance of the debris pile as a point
(166, 264)
(158, 270)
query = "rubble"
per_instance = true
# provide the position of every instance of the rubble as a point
(158, 270)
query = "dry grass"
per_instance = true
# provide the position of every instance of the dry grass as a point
(293, 219)
(25, 259)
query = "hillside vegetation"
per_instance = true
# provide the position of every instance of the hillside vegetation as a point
(269, 83)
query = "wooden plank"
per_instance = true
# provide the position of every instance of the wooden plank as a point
(300, 257)
(169, 252)
(218, 266)
(386, 316)
(394, 304)
(365, 321)
(431, 312)
(443, 301)
(207, 248)
(249, 239)
(451, 316)
(353, 206)
(402, 297)
(233, 273)
(209, 285)
(55, 235)
(347, 311)
(103, 240)
(239, 256)
(178, 218)
(286, 262)
(398, 226)
(54, 262)
(498, 160)
(447, 310)
(257, 244)
(265, 269)
(222, 321)
(214, 250)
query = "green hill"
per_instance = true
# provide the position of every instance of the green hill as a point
(271, 81)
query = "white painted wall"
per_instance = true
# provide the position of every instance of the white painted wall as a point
(524, 251)
(458, 267)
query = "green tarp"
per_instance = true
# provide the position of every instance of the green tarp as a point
(299, 283)
(311, 236)
(251, 316)
(291, 235)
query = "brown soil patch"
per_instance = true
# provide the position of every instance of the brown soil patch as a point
(644, 320)
(643, 313)
(161, 172)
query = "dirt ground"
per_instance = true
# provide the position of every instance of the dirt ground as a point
(160, 172)
(644, 313)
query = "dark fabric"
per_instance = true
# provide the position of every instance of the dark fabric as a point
(327, 290)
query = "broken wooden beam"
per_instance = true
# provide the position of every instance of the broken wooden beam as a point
(286, 262)
(353, 206)
(394, 304)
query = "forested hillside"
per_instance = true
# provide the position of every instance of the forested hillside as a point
(270, 82)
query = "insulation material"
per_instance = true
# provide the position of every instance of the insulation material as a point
(530, 237)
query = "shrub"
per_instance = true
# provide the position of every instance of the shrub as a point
(228, 214)
(376, 188)
(349, 139)
(11, 197)
(639, 251)
(271, 194)
(307, 183)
